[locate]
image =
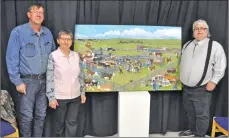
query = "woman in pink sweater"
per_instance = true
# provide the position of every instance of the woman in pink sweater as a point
(65, 87)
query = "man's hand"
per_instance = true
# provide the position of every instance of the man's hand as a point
(210, 86)
(53, 104)
(21, 88)
(83, 99)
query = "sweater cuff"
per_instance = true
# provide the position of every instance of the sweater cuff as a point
(51, 98)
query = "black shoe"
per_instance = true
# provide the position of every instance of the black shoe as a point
(186, 133)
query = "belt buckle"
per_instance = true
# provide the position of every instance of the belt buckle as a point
(39, 76)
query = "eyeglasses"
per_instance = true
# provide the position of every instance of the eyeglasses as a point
(64, 39)
(37, 12)
(199, 29)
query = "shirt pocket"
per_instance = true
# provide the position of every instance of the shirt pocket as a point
(29, 49)
(48, 47)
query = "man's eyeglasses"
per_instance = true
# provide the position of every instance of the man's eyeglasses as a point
(65, 39)
(200, 29)
(37, 12)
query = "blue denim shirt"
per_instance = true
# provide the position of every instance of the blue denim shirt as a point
(27, 52)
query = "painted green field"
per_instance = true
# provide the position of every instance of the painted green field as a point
(126, 78)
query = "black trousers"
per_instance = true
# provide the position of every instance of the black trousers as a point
(197, 103)
(66, 117)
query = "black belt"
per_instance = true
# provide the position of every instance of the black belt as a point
(41, 76)
(188, 87)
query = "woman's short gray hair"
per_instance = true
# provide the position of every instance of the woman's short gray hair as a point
(200, 21)
(66, 32)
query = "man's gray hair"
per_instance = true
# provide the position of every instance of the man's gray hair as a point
(66, 32)
(200, 21)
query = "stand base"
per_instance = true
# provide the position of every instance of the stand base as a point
(133, 114)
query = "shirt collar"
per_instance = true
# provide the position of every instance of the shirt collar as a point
(201, 41)
(42, 30)
(61, 54)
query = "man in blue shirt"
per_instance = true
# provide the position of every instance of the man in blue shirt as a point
(27, 55)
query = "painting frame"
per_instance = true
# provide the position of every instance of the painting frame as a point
(129, 58)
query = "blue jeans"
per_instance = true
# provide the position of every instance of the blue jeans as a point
(33, 108)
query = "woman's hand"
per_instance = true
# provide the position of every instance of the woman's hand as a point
(83, 99)
(53, 104)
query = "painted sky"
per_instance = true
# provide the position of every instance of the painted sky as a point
(127, 31)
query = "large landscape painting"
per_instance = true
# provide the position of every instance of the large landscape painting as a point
(129, 58)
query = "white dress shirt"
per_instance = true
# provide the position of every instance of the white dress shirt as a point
(193, 60)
